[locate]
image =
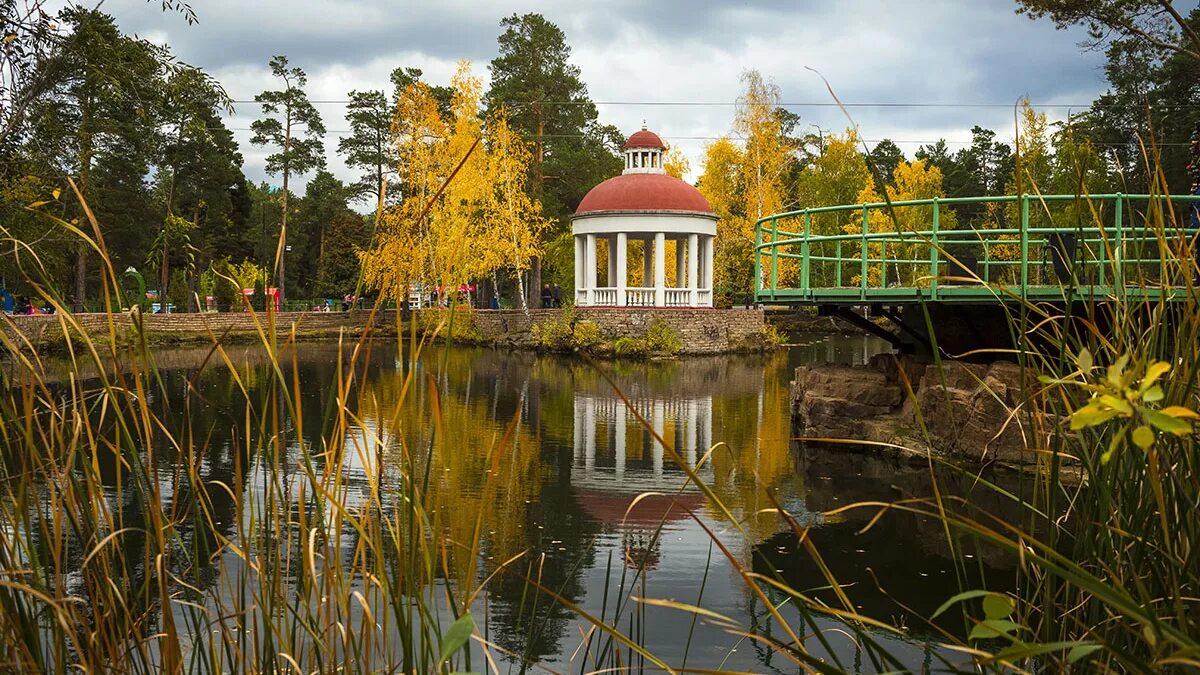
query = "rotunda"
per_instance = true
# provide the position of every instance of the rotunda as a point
(644, 204)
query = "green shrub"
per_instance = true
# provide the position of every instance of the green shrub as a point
(586, 335)
(662, 339)
(555, 333)
(629, 346)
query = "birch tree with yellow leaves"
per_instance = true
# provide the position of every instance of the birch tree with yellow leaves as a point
(401, 255)
(482, 222)
(514, 221)
(911, 180)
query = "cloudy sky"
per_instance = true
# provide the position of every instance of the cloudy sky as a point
(942, 66)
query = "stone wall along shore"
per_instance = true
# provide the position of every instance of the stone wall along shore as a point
(701, 331)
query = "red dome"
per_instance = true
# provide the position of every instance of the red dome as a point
(643, 192)
(644, 139)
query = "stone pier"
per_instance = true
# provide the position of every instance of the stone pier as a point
(967, 409)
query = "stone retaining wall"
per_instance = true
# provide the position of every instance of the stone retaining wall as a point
(47, 330)
(701, 331)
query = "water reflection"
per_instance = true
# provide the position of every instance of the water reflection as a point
(553, 458)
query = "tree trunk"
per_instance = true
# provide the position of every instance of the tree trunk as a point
(164, 277)
(282, 253)
(85, 166)
(535, 282)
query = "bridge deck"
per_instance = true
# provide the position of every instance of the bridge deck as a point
(1127, 247)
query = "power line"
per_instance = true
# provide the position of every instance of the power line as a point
(809, 104)
(330, 132)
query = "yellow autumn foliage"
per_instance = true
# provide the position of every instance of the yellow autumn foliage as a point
(483, 221)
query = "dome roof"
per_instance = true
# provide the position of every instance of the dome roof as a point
(644, 139)
(644, 192)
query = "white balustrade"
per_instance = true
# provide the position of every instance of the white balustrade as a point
(604, 297)
(704, 297)
(678, 297)
(639, 297)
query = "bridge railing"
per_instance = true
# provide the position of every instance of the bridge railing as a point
(1094, 244)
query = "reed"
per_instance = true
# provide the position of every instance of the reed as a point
(267, 554)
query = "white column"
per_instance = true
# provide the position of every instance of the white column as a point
(619, 443)
(580, 267)
(708, 269)
(589, 265)
(680, 264)
(693, 268)
(612, 261)
(660, 269)
(648, 263)
(622, 255)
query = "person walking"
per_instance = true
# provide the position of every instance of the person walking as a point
(547, 296)
(556, 295)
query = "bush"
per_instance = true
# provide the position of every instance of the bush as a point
(555, 333)
(662, 339)
(438, 323)
(586, 335)
(629, 346)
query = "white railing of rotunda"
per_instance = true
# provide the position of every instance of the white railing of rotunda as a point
(677, 297)
(604, 297)
(639, 297)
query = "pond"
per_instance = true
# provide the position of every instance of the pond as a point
(585, 493)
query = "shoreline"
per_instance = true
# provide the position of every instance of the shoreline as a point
(637, 333)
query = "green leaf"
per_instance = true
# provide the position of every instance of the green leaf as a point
(1084, 360)
(1143, 437)
(997, 606)
(1154, 394)
(1166, 423)
(1091, 415)
(992, 628)
(965, 595)
(1119, 404)
(457, 635)
(1081, 651)
(1116, 372)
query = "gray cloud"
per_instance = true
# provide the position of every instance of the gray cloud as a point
(630, 51)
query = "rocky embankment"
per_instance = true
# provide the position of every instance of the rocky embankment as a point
(967, 409)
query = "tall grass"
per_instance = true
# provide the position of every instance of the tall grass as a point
(120, 552)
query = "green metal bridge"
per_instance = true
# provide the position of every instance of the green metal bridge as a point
(1116, 246)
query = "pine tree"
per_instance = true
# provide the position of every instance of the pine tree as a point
(293, 126)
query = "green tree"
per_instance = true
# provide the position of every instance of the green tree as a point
(1156, 23)
(1146, 118)
(200, 171)
(369, 145)
(33, 58)
(337, 271)
(549, 106)
(293, 127)
(886, 156)
(102, 106)
(403, 76)
(324, 202)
